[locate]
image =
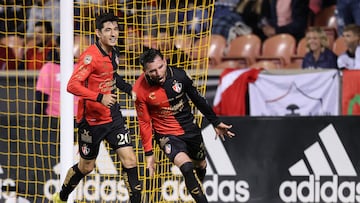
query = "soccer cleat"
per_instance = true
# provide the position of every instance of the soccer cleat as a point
(56, 198)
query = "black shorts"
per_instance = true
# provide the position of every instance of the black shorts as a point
(90, 137)
(191, 143)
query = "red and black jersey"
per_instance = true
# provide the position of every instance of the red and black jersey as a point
(166, 109)
(94, 76)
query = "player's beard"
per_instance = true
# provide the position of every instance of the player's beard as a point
(157, 80)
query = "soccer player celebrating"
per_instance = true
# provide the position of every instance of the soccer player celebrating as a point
(94, 81)
(162, 104)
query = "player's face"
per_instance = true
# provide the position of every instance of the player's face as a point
(313, 41)
(156, 70)
(109, 34)
(41, 36)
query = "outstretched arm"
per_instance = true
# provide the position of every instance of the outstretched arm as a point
(200, 102)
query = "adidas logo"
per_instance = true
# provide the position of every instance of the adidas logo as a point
(216, 151)
(317, 158)
(329, 160)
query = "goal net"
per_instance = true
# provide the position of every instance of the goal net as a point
(29, 115)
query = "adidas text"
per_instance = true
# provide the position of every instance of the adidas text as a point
(313, 190)
(227, 190)
(94, 190)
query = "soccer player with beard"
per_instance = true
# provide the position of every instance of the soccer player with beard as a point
(99, 118)
(162, 104)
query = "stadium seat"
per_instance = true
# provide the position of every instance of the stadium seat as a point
(278, 49)
(244, 49)
(215, 51)
(80, 44)
(301, 50)
(339, 46)
(132, 40)
(183, 43)
(326, 17)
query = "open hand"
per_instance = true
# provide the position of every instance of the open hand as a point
(222, 130)
(150, 164)
(108, 100)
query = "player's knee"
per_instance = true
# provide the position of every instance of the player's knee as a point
(202, 164)
(127, 157)
(129, 162)
(187, 168)
(86, 168)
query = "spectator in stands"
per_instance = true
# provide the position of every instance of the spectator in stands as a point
(350, 58)
(7, 56)
(316, 6)
(44, 10)
(319, 54)
(347, 12)
(48, 84)
(38, 49)
(286, 16)
(225, 17)
(224, 7)
(251, 12)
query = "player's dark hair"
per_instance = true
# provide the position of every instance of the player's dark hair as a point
(352, 28)
(105, 17)
(149, 55)
(46, 24)
(57, 40)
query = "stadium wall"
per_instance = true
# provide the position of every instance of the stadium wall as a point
(271, 160)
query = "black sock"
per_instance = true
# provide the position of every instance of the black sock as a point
(72, 179)
(133, 184)
(192, 182)
(201, 172)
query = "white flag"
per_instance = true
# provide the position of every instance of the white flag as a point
(305, 94)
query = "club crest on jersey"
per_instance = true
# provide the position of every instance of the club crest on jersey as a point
(177, 87)
(87, 59)
(85, 149)
(167, 148)
(152, 95)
